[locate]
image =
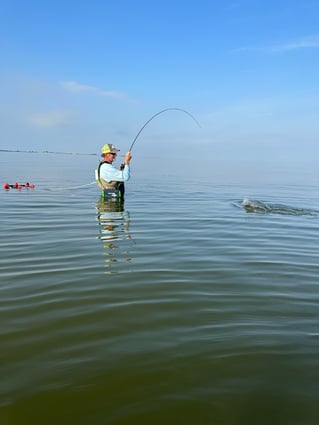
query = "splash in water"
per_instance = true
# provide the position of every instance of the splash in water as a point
(255, 206)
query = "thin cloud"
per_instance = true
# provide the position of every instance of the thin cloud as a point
(232, 5)
(74, 87)
(311, 42)
(52, 119)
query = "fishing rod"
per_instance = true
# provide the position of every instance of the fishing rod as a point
(158, 113)
(154, 116)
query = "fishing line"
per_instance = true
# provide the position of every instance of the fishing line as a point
(71, 187)
(49, 152)
(161, 112)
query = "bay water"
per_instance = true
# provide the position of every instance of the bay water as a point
(178, 307)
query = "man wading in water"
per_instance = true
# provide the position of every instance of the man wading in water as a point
(111, 180)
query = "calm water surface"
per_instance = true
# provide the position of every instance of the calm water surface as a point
(180, 307)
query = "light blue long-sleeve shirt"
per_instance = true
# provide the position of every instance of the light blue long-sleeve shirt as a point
(111, 174)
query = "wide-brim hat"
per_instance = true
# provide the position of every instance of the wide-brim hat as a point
(109, 148)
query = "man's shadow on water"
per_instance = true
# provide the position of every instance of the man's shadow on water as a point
(114, 230)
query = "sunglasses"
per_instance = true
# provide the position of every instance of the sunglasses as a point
(112, 153)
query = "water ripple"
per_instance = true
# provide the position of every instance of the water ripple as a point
(175, 305)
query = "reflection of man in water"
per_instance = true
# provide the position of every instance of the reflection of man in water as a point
(111, 180)
(113, 219)
(114, 231)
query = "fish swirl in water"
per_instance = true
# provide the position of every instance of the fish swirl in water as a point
(256, 206)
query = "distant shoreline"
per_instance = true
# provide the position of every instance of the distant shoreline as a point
(48, 152)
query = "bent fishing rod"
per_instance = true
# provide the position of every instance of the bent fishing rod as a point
(154, 116)
(158, 113)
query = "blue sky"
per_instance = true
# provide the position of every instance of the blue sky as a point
(75, 75)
